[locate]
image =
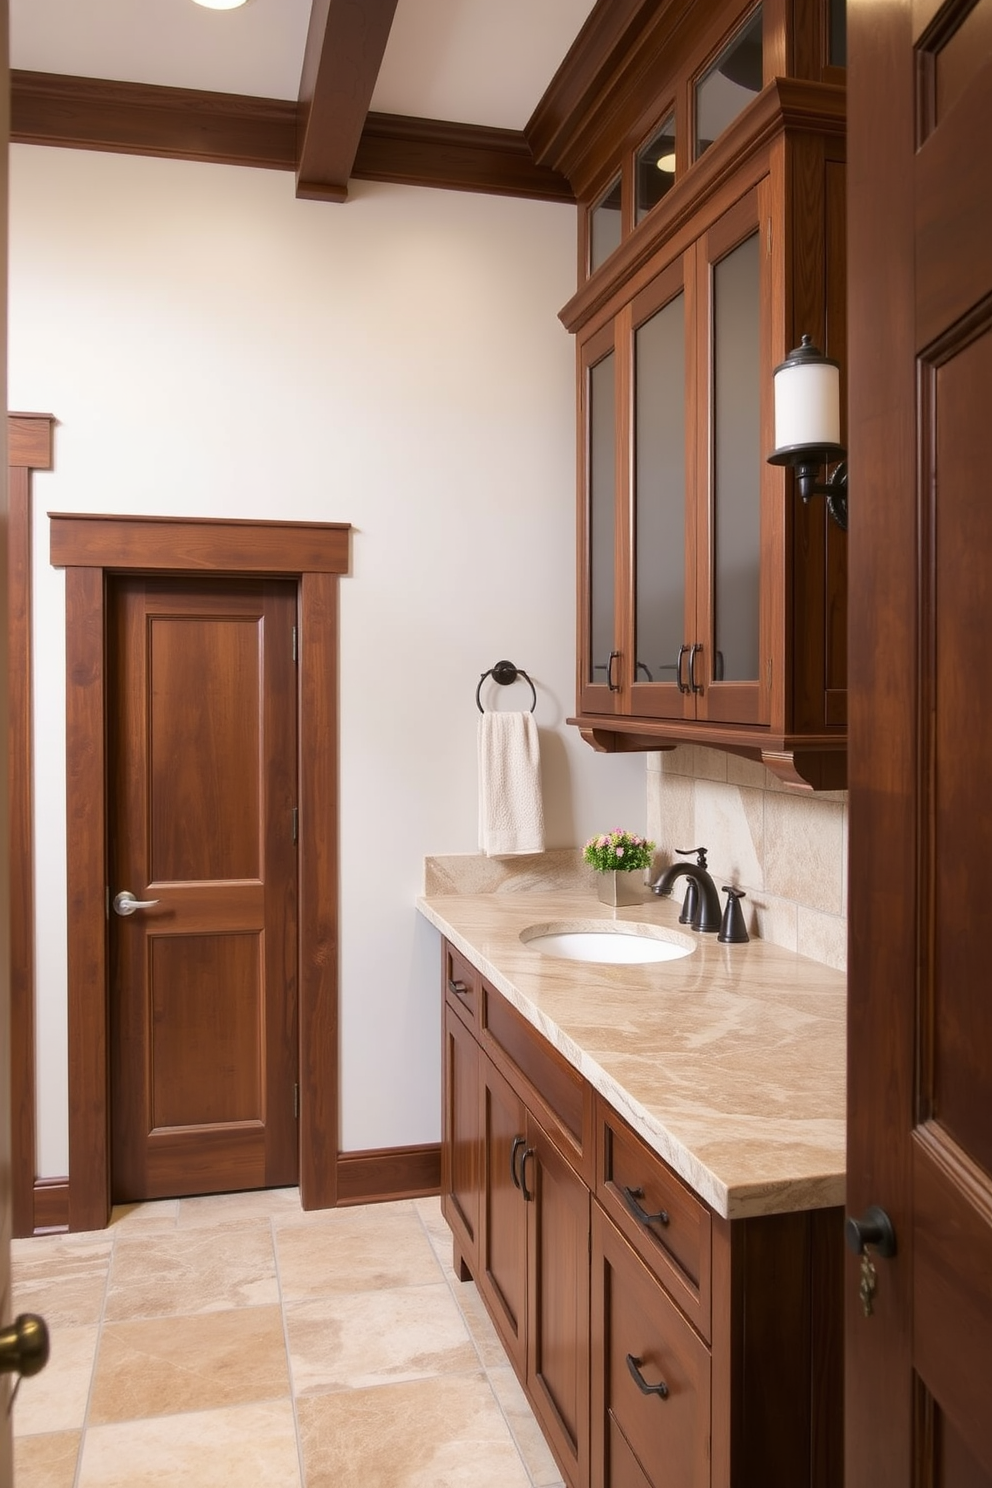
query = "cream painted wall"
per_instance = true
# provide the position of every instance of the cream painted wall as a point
(210, 346)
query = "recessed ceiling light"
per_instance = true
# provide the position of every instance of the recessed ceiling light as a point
(221, 4)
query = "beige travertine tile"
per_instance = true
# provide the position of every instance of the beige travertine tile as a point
(62, 1277)
(771, 919)
(55, 1399)
(709, 764)
(192, 1271)
(246, 1444)
(431, 1433)
(804, 851)
(741, 771)
(823, 937)
(232, 1208)
(46, 1461)
(479, 1324)
(163, 1366)
(527, 1434)
(679, 761)
(730, 825)
(362, 1249)
(352, 1340)
(159, 1214)
(671, 813)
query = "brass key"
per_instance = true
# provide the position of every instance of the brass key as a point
(869, 1281)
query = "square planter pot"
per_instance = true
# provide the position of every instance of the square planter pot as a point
(617, 889)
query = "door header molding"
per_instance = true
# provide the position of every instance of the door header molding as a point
(198, 544)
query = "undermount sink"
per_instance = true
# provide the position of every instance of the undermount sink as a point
(617, 944)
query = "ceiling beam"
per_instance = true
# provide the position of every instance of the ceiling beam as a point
(345, 46)
(232, 129)
(141, 119)
(456, 157)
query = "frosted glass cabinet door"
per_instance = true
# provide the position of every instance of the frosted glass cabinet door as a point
(736, 398)
(734, 385)
(664, 618)
(600, 661)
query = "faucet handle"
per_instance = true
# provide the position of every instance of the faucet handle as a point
(732, 929)
(700, 852)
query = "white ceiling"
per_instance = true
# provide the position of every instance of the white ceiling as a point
(469, 61)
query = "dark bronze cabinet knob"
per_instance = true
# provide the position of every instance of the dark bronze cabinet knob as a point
(874, 1228)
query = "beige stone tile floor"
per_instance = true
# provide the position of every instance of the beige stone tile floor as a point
(236, 1339)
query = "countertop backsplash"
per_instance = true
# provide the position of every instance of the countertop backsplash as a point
(787, 851)
(473, 873)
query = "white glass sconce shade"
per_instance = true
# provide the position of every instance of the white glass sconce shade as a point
(807, 408)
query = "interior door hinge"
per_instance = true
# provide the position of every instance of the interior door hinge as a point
(296, 1102)
(296, 822)
(295, 647)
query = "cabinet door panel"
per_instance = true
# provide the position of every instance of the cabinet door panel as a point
(733, 344)
(503, 1269)
(663, 563)
(461, 1155)
(598, 643)
(558, 1313)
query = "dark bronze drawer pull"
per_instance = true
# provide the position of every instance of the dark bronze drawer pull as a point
(457, 987)
(660, 1389)
(523, 1181)
(518, 1142)
(632, 1195)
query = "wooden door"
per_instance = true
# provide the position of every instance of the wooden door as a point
(503, 1263)
(558, 1268)
(920, 1116)
(202, 733)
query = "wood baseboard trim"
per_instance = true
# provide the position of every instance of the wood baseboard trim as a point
(384, 1173)
(51, 1205)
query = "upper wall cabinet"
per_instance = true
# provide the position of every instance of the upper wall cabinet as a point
(711, 603)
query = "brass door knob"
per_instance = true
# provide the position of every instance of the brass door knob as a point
(24, 1346)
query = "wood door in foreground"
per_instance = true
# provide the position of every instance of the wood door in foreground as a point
(202, 801)
(919, 1358)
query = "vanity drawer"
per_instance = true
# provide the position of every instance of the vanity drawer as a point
(462, 985)
(668, 1226)
(651, 1399)
(557, 1092)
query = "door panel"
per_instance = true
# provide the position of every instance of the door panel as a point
(203, 790)
(920, 1131)
(461, 1181)
(503, 1271)
(558, 1301)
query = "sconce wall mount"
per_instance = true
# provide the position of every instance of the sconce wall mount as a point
(807, 426)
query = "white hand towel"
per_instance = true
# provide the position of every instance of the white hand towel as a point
(511, 813)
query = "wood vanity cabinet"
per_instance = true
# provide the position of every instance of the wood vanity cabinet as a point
(660, 1345)
(711, 604)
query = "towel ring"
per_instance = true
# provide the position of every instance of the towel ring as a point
(504, 672)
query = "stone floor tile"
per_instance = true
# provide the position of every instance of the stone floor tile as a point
(163, 1366)
(431, 1433)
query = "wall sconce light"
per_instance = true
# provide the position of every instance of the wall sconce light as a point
(807, 425)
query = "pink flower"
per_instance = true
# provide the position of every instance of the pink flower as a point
(619, 852)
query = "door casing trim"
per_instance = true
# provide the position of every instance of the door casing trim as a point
(89, 547)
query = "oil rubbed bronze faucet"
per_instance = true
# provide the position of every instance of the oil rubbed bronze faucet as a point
(701, 907)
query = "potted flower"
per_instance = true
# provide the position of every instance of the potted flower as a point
(615, 856)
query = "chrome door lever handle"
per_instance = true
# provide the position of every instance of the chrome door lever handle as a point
(126, 904)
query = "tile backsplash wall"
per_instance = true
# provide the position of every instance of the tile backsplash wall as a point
(788, 851)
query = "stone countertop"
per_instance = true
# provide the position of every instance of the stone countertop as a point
(729, 1062)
